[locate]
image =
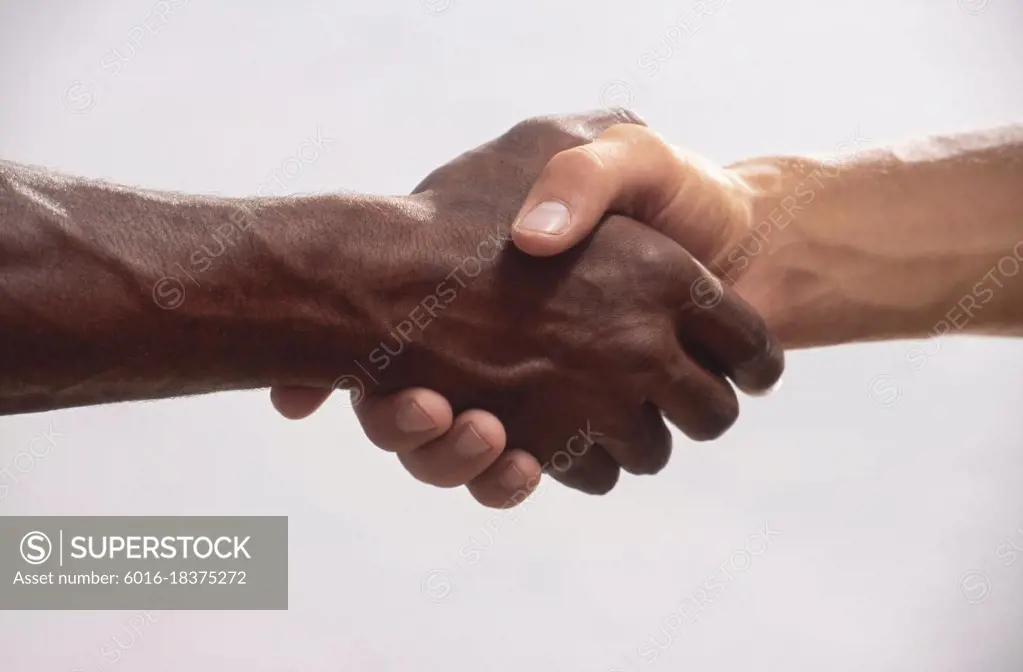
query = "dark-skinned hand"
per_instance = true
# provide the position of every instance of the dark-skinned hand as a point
(517, 363)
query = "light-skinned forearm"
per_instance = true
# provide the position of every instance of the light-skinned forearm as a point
(920, 239)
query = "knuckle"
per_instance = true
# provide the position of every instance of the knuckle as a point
(659, 269)
(382, 430)
(630, 116)
(642, 352)
(625, 115)
(530, 127)
(581, 163)
(654, 255)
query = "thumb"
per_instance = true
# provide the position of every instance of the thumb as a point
(629, 170)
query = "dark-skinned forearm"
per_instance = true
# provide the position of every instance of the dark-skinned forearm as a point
(112, 294)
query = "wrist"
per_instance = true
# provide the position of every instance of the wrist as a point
(805, 264)
(762, 260)
(302, 294)
(885, 245)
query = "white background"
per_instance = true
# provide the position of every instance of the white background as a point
(880, 505)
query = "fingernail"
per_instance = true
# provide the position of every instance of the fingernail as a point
(412, 419)
(511, 478)
(470, 443)
(550, 218)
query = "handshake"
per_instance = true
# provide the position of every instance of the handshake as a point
(485, 364)
(539, 304)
